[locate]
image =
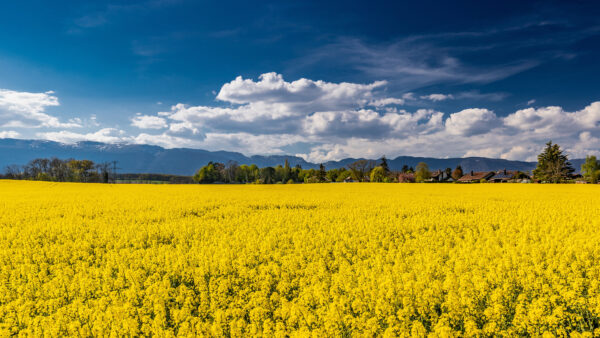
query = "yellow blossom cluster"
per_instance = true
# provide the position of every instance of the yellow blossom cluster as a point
(299, 260)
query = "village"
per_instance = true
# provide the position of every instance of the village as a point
(441, 176)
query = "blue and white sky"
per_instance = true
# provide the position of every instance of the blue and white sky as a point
(319, 79)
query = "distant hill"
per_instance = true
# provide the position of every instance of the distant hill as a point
(135, 158)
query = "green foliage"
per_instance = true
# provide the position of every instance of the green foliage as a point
(343, 174)
(378, 174)
(422, 172)
(267, 175)
(553, 166)
(207, 174)
(590, 169)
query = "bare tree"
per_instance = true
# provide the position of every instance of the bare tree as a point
(230, 171)
(360, 169)
(14, 172)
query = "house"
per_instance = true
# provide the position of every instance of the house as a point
(503, 176)
(476, 177)
(439, 176)
(406, 178)
(349, 179)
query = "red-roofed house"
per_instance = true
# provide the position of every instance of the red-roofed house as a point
(476, 176)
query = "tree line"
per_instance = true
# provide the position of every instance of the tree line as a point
(58, 170)
(553, 167)
(358, 171)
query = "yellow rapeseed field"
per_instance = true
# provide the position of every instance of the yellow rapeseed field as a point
(299, 260)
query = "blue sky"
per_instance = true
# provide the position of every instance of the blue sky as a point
(322, 80)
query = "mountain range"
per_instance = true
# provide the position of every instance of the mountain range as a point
(137, 158)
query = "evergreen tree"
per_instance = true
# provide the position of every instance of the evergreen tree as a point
(384, 166)
(553, 166)
(322, 173)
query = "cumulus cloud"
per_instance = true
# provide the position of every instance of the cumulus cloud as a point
(149, 122)
(554, 121)
(470, 122)
(336, 120)
(27, 110)
(322, 121)
(272, 105)
(437, 97)
(303, 93)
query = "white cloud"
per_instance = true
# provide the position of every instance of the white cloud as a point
(105, 135)
(335, 120)
(437, 97)
(471, 121)
(520, 152)
(554, 121)
(492, 152)
(587, 144)
(241, 142)
(27, 110)
(327, 120)
(9, 134)
(530, 102)
(272, 105)
(149, 122)
(386, 102)
(300, 96)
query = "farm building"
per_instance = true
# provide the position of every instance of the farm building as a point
(502, 176)
(440, 176)
(476, 176)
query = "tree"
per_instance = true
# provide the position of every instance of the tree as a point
(378, 174)
(104, 169)
(267, 175)
(405, 168)
(287, 171)
(520, 176)
(422, 173)
(81, 170)
(384, 166)
(343, 174)
(590, 169)
(231, 169)
(14, 172)
(59, 170)
(360, 169)
(553, 166)
(207, 174)
(457, 173)
(322, 173)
